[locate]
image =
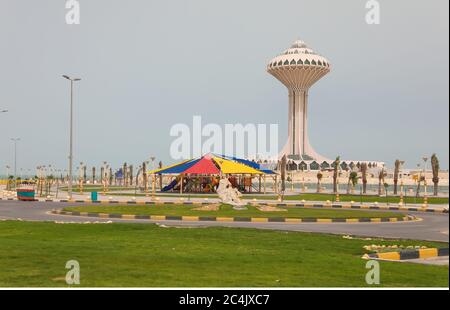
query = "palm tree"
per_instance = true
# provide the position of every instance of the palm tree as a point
(102, 175)
(364, 176)
(160, 165)
(124, 177)
(93, 175)
(435, 167)
(9, 183)
(282, 166)
(50, 180)
(381, 175)
(131, 175)
(110, 175)
(144, 176)
(84, 173)
(420, 178)
(319, 179)
(336, 173)
(396, 173)
(353, 180)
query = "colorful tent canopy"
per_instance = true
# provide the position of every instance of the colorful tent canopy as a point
(212, 165)
(249, 163)
(232, 167)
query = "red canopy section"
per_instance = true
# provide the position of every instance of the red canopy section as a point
(204, 166)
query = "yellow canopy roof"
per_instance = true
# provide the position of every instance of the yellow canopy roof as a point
(232, 167)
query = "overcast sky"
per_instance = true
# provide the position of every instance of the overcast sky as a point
(147, 65)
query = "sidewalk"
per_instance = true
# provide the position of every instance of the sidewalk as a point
(175, 199)
(86, 197)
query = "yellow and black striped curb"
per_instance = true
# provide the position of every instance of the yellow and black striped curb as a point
(352, 206)
(235, 219)
(410, 254)
(301, 205)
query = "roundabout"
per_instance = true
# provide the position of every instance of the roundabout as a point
(432, 227)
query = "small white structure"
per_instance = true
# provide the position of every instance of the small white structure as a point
(228, 194)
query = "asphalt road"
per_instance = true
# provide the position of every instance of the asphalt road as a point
(433, 227)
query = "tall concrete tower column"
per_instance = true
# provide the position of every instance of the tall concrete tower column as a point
(298, 68)
(298, 109)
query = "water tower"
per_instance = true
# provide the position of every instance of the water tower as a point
(298, 68)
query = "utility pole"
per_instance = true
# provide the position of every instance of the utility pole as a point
(72, 80)
(15, 140)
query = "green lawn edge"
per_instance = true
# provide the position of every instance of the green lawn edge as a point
(227, 211)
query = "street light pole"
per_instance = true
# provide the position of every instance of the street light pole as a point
(69, 188)
(15, 140)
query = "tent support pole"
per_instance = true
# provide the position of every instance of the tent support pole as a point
(181, 185)
(264, 184)
(276, 184)
(153, 186)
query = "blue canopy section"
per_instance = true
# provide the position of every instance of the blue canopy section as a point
(119, 174)
(248, 163)
(179, 168)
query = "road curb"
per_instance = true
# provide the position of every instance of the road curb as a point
(409, 254)
(287, 220)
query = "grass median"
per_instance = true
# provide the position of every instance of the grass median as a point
(227, 211)
(307, 197)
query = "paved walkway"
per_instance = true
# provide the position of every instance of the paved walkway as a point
(87, 196)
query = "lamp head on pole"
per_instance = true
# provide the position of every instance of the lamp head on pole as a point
(71, 79)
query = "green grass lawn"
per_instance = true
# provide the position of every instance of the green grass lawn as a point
(227, 211)
(34, 254)
(365, 198)
(307, 197)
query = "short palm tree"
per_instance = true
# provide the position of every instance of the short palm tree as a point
(364, 176)
(124, 176)
(283, 164)
(102, 175)
(160, 165)
(93, 175)
(337, 162)
(319, 180)
(131, 175)
(353, 178)
(396, 173)
(381, 175)
(435, 167)
(144, 176)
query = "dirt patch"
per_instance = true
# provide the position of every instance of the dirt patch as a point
(270, 209)
(213, 207)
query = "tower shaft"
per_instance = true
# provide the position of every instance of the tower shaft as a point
(298, 117)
